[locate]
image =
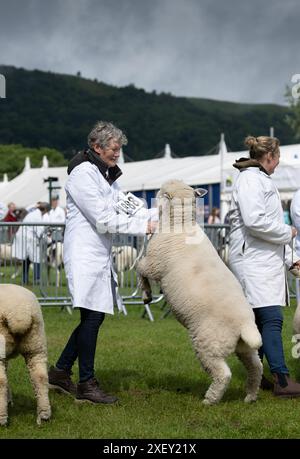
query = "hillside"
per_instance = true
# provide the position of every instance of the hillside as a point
(44, 109)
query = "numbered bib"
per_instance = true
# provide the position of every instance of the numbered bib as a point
(130, 204)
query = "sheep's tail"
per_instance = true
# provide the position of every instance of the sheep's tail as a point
(18, 322)
(251, 336)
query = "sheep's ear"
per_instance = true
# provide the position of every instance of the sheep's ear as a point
(200, 192)
(167, 196)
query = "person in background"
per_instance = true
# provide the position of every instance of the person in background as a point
(214, 217)
(11, 217)
(26, 244)
(57, 213)
(258, 252)
(286, 212)
(94, 213)
(3, 210)
(295, 215)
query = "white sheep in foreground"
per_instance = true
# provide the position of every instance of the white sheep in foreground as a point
(202, 292)
(22, 332)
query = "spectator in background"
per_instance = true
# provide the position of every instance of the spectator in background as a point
(286, 212)
(11, 217)
(214, 218)
(295, 214)
(3, 210)
(26, 245)
(57, 213)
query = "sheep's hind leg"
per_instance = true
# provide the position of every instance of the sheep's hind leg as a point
(3, 394)
(218, 369)
(253, 365)
(144, 281)
(37, 366)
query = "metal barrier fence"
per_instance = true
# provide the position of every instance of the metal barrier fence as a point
(32, 255)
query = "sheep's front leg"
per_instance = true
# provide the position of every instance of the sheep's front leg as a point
(37, 366)
(144, 281)
(3, 394)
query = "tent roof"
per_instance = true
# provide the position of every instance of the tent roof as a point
(29, 187)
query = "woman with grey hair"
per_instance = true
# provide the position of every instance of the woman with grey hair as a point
(93, 203)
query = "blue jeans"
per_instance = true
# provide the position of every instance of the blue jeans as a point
(82, 344)
(269, 322)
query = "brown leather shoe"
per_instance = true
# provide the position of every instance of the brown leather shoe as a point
(90, 391)
(284, 386)
(61, 380)
(266, 384)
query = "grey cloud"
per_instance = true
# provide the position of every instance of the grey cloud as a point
(223, 49)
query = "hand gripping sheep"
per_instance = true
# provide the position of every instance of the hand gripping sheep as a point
(203, 294)
(22, 332)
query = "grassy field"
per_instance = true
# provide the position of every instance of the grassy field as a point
(152, 368)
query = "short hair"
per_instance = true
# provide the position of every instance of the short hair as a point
(260, 146)
(103, 132)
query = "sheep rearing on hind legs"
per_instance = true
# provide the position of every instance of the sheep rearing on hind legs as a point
(203, 294)
(22, 332)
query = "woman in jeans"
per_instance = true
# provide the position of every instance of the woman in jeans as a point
(258, 252)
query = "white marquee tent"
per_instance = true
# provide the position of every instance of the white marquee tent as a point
(29, 187)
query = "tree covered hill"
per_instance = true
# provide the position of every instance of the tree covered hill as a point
(45, 109)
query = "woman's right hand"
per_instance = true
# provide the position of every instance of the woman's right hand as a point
(294, 232)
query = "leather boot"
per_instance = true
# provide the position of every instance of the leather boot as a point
(266, 384)
(61, 380)
(90, 391)
(284, 386)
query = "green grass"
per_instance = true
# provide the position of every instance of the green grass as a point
(152, 368)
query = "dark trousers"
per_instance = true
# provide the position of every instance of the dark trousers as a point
(269, 322)
(82, 344)
(25, 271)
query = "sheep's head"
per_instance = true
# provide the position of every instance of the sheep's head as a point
(177, 203)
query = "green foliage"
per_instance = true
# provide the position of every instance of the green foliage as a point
(12, 158)
(58, 111)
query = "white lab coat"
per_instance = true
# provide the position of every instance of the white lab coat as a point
(257, 251)
(26, 243)
(91, 220)
(295, 214)
(57, 215)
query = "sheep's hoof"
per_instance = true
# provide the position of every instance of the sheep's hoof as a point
(43, 416)
(208, 402)
(250, 398)
(147, 297)
(3, 420)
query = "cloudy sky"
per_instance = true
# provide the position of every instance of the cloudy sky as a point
(236, 50)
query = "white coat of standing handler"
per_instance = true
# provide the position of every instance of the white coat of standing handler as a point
(94, 214)
(259, 250)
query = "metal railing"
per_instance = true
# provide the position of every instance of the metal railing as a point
(32, 255)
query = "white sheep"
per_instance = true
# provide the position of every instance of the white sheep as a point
(22, 332)
(203, 294)
(124, 257)
(55, 259)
